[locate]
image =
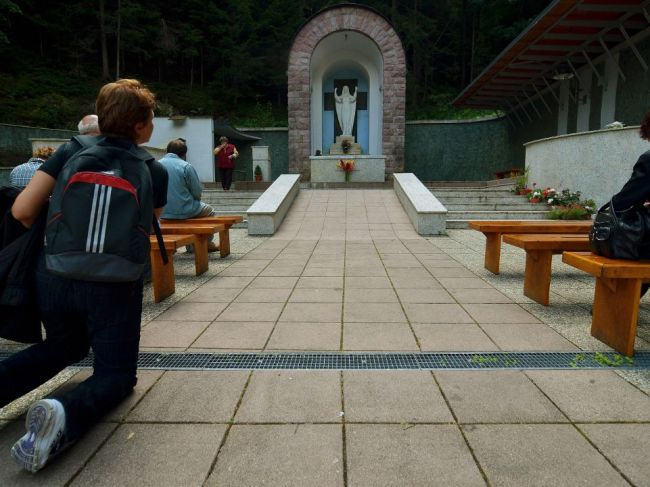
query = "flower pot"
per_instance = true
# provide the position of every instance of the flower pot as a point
(535, 200)
(258, 177)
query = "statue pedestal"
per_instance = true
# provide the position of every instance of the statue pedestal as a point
(367, 169)
(337, 148)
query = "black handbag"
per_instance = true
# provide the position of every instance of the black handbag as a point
(619, 236)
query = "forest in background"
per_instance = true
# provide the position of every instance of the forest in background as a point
(228, 58)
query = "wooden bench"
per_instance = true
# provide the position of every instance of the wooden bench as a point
(224, 235)
(493, 229)
(539, 257)
(616, 299)
(201, 232)
(162, 276)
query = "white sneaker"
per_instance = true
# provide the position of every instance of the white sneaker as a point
(45, 437)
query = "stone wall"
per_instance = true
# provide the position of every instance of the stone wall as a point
(276, 139)
(15, 147)
(461, 150)
(370, 23)
(595, 163)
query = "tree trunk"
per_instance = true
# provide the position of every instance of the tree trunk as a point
(119, 25)
(102, 39)
(191, 72)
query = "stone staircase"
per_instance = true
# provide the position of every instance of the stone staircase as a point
(491, 200)
(231, 202)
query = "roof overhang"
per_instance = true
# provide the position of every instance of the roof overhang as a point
(573, 33)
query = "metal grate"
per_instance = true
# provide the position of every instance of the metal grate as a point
(385, 361)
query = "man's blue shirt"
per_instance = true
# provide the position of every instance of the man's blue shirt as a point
(183, 190)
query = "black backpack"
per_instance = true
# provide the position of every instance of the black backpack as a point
(100, 213)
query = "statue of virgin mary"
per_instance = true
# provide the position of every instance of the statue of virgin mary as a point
(346, 106)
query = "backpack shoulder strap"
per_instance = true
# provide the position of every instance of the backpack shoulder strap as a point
(85, 141)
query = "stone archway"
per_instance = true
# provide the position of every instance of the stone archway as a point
(391, 85)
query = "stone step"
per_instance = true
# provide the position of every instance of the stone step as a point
(524, 206)
(482, 199)
(460, 219)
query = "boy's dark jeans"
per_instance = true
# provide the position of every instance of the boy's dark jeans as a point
(78, 315)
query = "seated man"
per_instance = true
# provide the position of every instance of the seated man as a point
(184, 189)
(22, 174)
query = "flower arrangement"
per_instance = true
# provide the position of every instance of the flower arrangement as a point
(346, 146)
(568, 205)
(347, 166)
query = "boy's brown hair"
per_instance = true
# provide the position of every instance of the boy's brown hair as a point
(123, 104)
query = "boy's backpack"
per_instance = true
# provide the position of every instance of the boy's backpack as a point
(100, 213)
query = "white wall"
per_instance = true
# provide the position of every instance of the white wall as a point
(199, 134)
(595, 163)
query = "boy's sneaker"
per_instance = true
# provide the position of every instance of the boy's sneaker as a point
(45, 424)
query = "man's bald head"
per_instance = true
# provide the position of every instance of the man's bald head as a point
(89, 125)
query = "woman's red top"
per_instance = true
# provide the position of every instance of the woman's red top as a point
(223, 159)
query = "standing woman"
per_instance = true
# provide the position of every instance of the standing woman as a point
(226, 154)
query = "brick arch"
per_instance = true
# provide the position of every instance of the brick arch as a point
(370, 23)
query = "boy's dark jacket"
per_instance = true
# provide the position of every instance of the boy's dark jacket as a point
(19, 250)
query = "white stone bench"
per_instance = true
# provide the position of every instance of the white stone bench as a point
(428, 215)
(268, 211)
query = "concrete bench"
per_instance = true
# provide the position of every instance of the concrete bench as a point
(493, 229)
(616, 299)
(162, 275)
(539, 257)
(224, 235)
(269, 210)
(427, 214)
(201, 233)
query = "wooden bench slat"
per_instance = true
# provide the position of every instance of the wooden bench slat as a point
(600, 266)
(539, 259)
(222, 222)
(493, 229)
(616, 298)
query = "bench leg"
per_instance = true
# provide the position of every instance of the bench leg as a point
(162, 276)
(224, 242)
(201, 254)
(537, 279)
(615, 312)
(492, 252)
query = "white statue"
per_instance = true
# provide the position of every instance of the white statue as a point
(346, 107)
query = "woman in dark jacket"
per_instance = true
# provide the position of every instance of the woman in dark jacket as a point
(636, 190)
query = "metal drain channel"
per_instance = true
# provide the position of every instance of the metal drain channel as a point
(385, 361)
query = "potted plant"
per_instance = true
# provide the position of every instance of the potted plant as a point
(521, 183)
(346, 146)
(258, 173)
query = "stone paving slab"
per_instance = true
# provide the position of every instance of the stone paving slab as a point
(593, 395)
(155, 455)
(292, 397)
(541, 455)
(504, 396)
(190, 397)
(287, 455)
(394, 397)
(625, 445)
(409, 455)
(305, 336)
(235, 335)
(452, 337)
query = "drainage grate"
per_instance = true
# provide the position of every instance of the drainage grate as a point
(386, 361)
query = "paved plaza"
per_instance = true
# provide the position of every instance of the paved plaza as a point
(347, 273)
